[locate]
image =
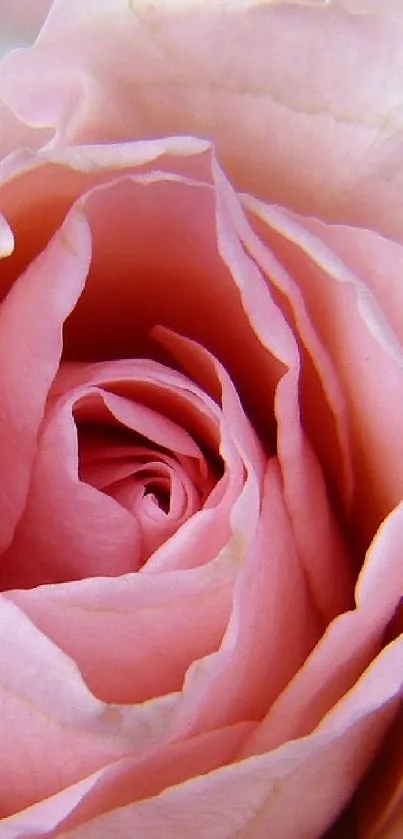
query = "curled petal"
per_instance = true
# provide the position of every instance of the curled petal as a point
(124, 633)
(224, 72)
(50, 287)
(349, 644)
(266, 795)
(46, 707)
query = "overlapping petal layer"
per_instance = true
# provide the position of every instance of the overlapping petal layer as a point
(207, 490)
(225, 71)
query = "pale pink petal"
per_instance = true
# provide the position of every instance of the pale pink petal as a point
(184, 155)
(226, 72)
(133, 779)
(205, 533)
(172, 150)
(126, 780)
(372, 259)
(236, 433)
(136, 304)
(321, 549)
(13, 132)
(154, 425)
(168, 281)
(49, 716)
(123, 633)
(321, 391)
(267, 795)
(367, 354)
(46, 815)
(347, 647)
(68, 529)
(156, 525)
(156, 664)
(271, 602)
(49, 289)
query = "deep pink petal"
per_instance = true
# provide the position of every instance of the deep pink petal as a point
(30, 349)
(372, 259)
(185, 288)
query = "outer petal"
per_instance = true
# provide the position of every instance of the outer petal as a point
(30, 350)
(272, 602)
(124, 781)
(49, 716)
(371, 258)
(266, 795)
(348, 646)
(304, 485)
(226, 72)
(342, 303)
(124, 633)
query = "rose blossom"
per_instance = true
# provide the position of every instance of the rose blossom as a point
(201, 430)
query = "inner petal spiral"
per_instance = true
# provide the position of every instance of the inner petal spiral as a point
(136, 469)
(120, 453)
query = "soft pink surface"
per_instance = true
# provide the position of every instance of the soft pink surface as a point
(352, 297)
(49, 288)
(216, 460)
(242, 562)
(49, 715)
(262, 796)
(227, 72)
(240, 797)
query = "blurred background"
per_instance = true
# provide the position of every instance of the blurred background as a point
(20, 21)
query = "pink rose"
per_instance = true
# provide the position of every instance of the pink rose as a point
(201, 423)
